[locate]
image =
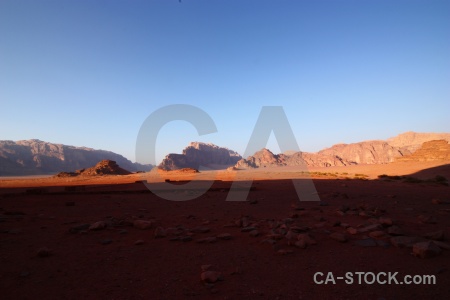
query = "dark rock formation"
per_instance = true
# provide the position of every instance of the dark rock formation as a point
(105, 167)
(200, 154)
(30, 157)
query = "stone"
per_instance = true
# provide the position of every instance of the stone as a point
(186, 238)
(395, 230)
(139, 242)
(340, 237)
(405, 241)
(284, 251)
(210, 240)
(306, 238)
(44, 252)
(370, 228)
(224, 236)
(70, 203)
(385, 221)
(377, 234)
(290, 235)
(426, 249)
(248, 229)
(442, 245)
(160, 233)
(435, 235)
(352, 230)
(143, 224)
(254, 233)
(106, 241)
(427, 219)
(300, 244)
(98, 225)
(211, 276)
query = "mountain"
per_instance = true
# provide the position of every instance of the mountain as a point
(198, 154)
(412, 141)
(31, 157)
(398, 148)
(430, 151)
(104, 167)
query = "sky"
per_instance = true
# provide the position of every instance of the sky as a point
(88, 73)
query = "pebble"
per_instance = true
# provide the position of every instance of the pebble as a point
(340, 237)
(436, 235)
(98, 225)
(366, 243)
(405, 241)
(139, 242)
(224, 236)
(200, 230)
(352, 230)
(78, 228)
(395, 230)
(254, 233)
(44, 252)
(106, 241)
(211, 276)
(143, 224)
(248, 229)
(426, 249)
(160, 232)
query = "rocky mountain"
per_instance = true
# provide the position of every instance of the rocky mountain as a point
(429, 151)
(200, 154)
(412, 141)
(30, 157)
(367, 152)
(105, 167)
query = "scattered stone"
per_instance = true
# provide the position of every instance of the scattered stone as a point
(383, 244)
(366, 243)
(405, 241)
(254, 233)
(377, 234)
(248, 229)
(427, 219)
(340, 237)
(395, 230)
(369, 228)
(385, 221)
(323, 203)
(352, 230)
(345, 225)
(298, 229)
(224, 236)
(284, 251)
(44, 252)
(290, 235)
(160, 233)
(143, 224)
(436, 235)
(254, 201)
(79, 228)
(300, 244)
(426, 249)
(211, 276)
(139, 242)
(306, 238)
(98, 225)
(210, 240)
(70, 203)
(123, 231)
(442, 245)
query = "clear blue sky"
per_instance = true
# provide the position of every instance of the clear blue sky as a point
(88, 73)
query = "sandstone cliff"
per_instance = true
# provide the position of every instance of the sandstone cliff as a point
(429, 151)
(412, 141)
(30, 157)
(200, 154)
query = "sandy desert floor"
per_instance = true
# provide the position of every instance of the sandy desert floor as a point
(109, 237)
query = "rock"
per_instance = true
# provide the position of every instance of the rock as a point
(160, 233)
(426, 249)
(254, 201)
(210, 240)
(366, 243)
(186, 238)
(385, 221)
(79, 228)
(300, 244)
(139, 242)
(98, 225)
(70, 203)
(284, 251)
(370, 228)
(248, 229)
(395, 230)
(352, 230)
(340, 237)
(377, 234)
(143, 224)
(254, 233)
(405, 241)
(290, 235)
(427, 219)
(442, 245)
(436, 235)
(211, 276)
(44, 252)
(123, 231)
(306, 238)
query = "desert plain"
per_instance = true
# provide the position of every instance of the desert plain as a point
(110, 237)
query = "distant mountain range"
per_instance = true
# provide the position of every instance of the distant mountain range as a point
(31, 157)
(366, 152)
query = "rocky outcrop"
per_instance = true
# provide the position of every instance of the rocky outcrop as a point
(412, 141)
(200, 154)
(262, 158)
(105, 167)
(430, 151)
(30, 157)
